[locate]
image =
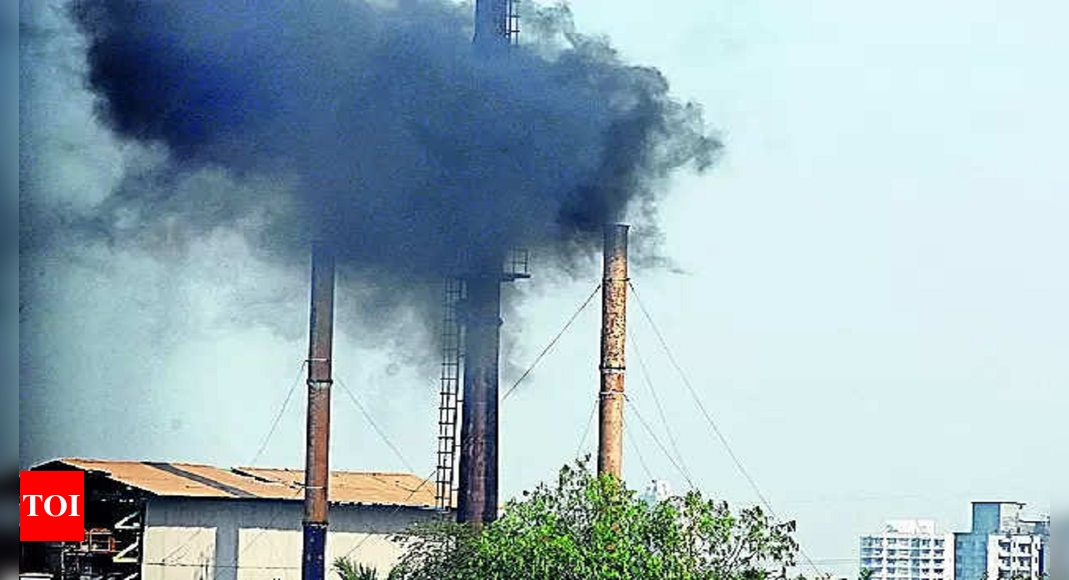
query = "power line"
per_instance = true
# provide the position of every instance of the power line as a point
(660, 408)
(368, 536)
(396, 509)
(394, 448)
(638, 453)
(586, 431)
(660, 446)
(256, 457)
(189, 540)
(274, 518)
(551, 343)
(299, 489)
(268, 527)
(375, 426)
(701, 406)
(389, 443)
(263, 446)
(709, 418)
(218, 566)
(278, 417)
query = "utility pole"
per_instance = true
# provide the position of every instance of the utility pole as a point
(316, 465)
(613, 333)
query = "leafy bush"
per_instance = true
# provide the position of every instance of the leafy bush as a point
(349, 570)
(593, 528)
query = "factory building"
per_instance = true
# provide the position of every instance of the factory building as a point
(176, 521)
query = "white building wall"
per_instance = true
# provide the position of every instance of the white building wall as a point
(189, 549)
(908, 550)
(208, 539)
(1013, 556)
(273, 552)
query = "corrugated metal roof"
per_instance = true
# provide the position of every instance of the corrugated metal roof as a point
(193, 480)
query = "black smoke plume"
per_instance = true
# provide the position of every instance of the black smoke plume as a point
(412, 154)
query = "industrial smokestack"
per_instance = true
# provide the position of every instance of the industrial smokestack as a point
(477, 493)
(492, 24)
(613, 333)
(477, 481)
(316, 466)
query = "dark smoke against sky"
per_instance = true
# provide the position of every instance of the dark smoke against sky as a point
(171, 206)
(414, 156)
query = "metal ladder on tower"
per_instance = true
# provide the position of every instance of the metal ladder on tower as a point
(512, 22)
(450, 395)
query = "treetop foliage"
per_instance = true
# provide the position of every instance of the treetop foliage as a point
(586, 527)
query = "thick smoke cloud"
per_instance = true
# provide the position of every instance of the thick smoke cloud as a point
(176, 158)
(415, 156)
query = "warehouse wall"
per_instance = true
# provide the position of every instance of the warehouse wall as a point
(211, 539)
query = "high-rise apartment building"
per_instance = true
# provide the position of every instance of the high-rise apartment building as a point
(1002, 545)
(908, 550)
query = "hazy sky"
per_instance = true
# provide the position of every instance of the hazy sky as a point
(873, 302)
(878, 306)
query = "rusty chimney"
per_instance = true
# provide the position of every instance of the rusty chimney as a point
(477, 478)
(316, 467)
(613, 333)
(477, 493)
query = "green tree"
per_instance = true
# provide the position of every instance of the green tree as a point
(590, 528)
(349, 570)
